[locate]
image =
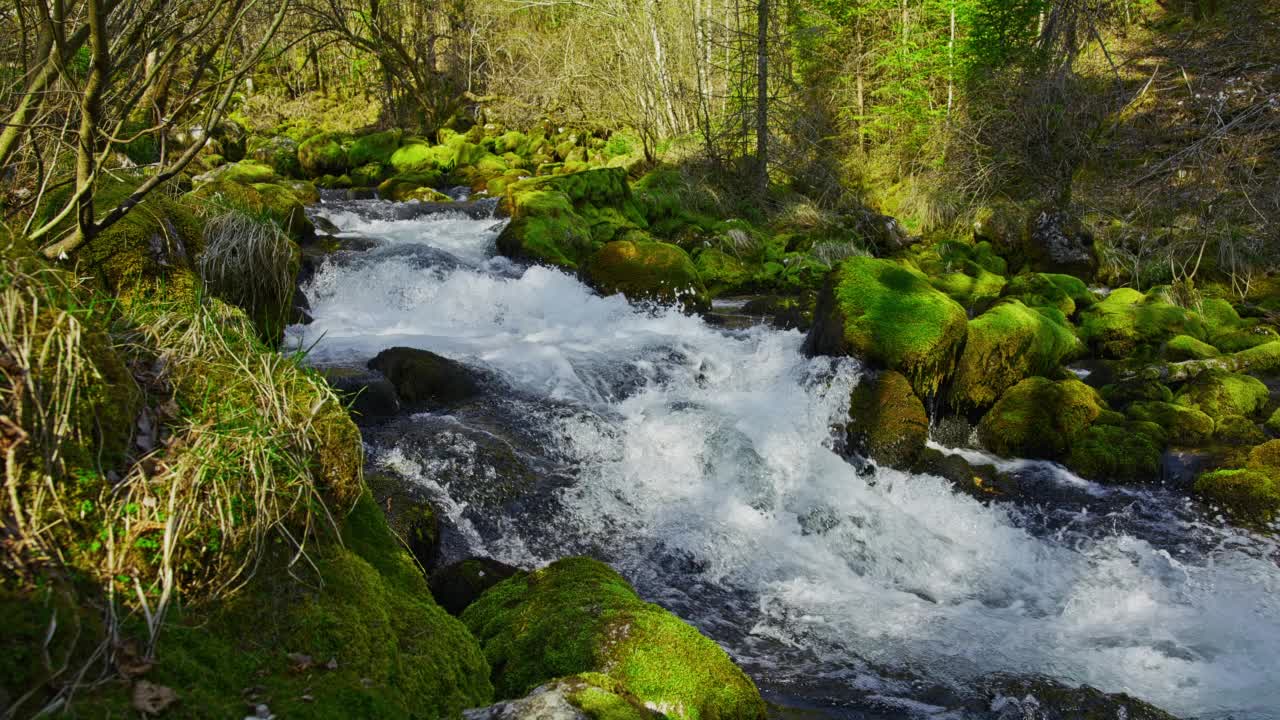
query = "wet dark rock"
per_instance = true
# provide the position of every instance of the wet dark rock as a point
(954, 431)
(982, 482)
(1038, 698)
(370, 395)
(458, 585)
(785, 313)
(410, 514)
(425, 380)
(300, 312)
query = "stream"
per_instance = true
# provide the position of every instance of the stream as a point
(702, 463)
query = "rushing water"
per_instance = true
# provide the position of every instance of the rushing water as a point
(701, 462)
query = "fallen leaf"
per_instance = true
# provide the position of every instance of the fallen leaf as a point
(152, 699)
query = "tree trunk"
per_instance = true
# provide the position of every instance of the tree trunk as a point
(762, 97)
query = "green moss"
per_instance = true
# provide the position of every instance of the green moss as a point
(1039, 418)
(578, 615)
(1265, 456)
(148, 252)
(1186, 426)
(1006, 344)
(1118, 453)
(1237, 430)
(399, 187)
(891, 315)
(1185, 347)
(1217, 393)
(644, 269)
(266, 201)
(417, 158)
(969, 288)
(1122, 393)
(1049, 290)
(323, 154)
(247, 172)
(1273, 423)
(1117, 326)
(281, 155)
(1253, 495)
(369, 175)
(722, 272)
(887, 421)
(545, 228)
(376, 148)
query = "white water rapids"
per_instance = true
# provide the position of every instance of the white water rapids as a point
(702, 466)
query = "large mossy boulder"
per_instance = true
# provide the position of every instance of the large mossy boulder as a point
(889, 315)
(1118, 326)
(887, 421)
(1185, 426)
(267, 201)
(1040, 418)
(1130, 452)
(374, 148)
(323, 154)
(562, 220)
(578, 615)
(1006, 344)
(362, 638)
(648, 270)
(1217, 394)
(280, 154)
(1064, 292)
(1251, 493)
(425, 380)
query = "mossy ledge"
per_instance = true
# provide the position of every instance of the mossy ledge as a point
(578, 615)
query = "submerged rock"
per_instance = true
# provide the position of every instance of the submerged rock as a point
(423, 379)
(890, 315)
(578, 615)
(1040, 698)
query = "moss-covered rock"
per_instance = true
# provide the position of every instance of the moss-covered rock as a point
(266, 201)
(399, 188)
(1121, 394)
(1118, 453)
(425, 194)
(578, 615)
(247, 172)
(376, 148)
(1273, 423)
(1265, 456)
(1039, 418)
(1064, 292)
(1006, 344)
(1126, 320)
(562, 220)
(1185, 347)
(1251, 494)
(323, 154)
(280, 154)
(721, 272)
(1217, 394)
(887, 421)
(1186, 426)
(416, 157)
(890, 315)
(1237, 430)
(364, 640)
(647, 270)
(970, 288)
